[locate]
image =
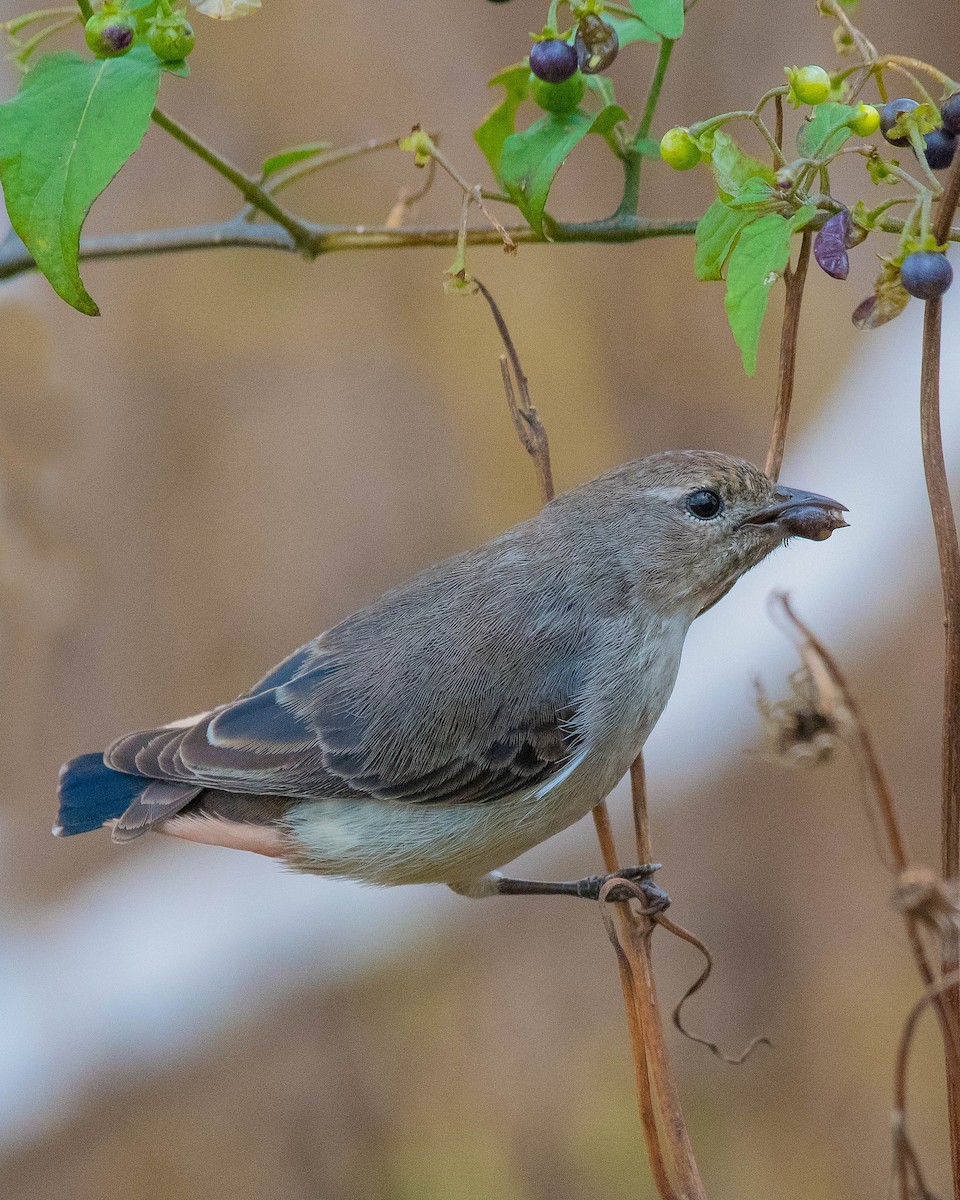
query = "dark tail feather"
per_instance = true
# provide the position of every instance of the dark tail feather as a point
(91, 793)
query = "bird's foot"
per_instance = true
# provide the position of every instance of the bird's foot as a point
(634, 880)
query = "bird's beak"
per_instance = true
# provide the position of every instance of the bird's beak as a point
(801, 514)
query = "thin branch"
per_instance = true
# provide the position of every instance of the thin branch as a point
(655, 1084)
(665, 1089)
(248, 187)
(15, 259)
(794, 278)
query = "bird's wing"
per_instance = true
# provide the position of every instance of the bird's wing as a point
(427, 697)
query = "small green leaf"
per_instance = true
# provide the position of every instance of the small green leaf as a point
(630, 29)
(648, 147)
(63, 137)
(731, 166)
(717, 230)
(663, 16)
(755, 194)
(826, 131)
(176, 67)
(293, 154)
(757, 261)
(501, 122)
(531, 159)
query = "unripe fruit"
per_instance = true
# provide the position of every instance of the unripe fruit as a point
(867, 120)
(811, 85)
(926, 274)
(109, 34)
(889, 115)
(171, 39)
(678, 149)
(950, 112)
(940, 149)
(558, 97)
(596, 44)
(553, 61)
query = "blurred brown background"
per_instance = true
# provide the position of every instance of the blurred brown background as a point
(246, 447)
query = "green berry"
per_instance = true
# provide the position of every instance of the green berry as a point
(171, 38)
(109, 33)
(867, 120)
(678, 149)
(558, 97)
(811, 85)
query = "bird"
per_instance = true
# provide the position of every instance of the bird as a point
(472, 712)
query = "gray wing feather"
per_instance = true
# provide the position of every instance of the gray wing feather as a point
(454, 688)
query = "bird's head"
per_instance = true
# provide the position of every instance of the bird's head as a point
(697, 520)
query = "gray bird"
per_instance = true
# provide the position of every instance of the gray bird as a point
(474, 711)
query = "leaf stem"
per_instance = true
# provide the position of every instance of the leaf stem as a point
(248, 187)
(656, 86)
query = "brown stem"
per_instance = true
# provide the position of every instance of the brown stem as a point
(945, 528)
(831, 681)
(948, 550)
(656, 1088)
(794, 278)
(664, 1083)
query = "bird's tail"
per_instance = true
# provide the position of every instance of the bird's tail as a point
(91, 794)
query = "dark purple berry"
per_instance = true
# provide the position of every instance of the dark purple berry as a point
(830, 246)
(926, 274)
(950, 112)
(596, 44)
(940, 149)
(888, 118)
(553, 61)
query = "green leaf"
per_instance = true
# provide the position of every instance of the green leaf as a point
(663, 16)
(501, 122)
(63, 137)
(755, 194)
(717, 230)
(757, 261)
(293, 154)
(630, 29)
(826, 131)
(177, 67)
(648, 147)
(732, 167)
(531, 159)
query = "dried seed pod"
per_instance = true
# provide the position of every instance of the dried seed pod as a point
(797, 730)
(830, 245)
(888, 300)
(596, 44)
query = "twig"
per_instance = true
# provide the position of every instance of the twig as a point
(684, 1163)
(905, 1156)
(948, 551)
(654, 1080)
(839, 702)
(248, 187)
(15, 259)
(794, 278)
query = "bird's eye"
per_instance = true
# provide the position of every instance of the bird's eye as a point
(704, 504)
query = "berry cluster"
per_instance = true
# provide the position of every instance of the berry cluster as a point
(558, 65)
(113, 30)
(939, 144)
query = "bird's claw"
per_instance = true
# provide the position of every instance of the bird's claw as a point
(636, 884)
